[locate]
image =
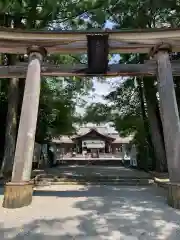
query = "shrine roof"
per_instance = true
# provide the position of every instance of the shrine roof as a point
(98, 130)
(62, 139)
(103, 131)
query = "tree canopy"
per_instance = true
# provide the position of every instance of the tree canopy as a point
(133, 108)
(127, 107)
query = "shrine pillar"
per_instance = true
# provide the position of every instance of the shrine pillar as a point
(170, 121)
(18, 192)
(123, 150)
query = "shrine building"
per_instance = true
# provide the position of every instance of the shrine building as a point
(91, 139)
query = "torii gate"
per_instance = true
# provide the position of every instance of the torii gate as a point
(97, 44)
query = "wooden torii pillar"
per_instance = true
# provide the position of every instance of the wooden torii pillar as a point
(18, 192)
(170, 120)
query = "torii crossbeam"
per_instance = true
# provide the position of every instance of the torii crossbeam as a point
(128, 41)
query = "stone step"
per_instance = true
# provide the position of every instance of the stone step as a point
(91, 179)
(161, 183)
(128, 182)
(92, 176)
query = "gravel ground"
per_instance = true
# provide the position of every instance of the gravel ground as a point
(90, 213)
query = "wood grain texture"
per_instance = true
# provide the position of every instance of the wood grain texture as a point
(128, 41)
(149, 68)
(17, 195)
(27, 126)
(81, 70)
(169, 115)
(173, 195)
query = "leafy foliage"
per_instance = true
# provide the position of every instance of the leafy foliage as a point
(128, 106)
(97, 113)
(60, 96)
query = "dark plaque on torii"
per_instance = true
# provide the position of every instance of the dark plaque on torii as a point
(98, 50)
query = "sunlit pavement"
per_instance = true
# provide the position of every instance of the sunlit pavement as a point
(93, 212)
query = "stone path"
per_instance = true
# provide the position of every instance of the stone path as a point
(99, 170)
(92, 213)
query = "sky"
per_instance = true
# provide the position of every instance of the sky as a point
(102, 88)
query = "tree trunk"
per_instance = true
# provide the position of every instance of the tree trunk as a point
(177, 90)
(11, 127)
(155, 131)
(146, 127)
(12, 114)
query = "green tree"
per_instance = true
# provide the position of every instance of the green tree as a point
(146, 14)
(97, 113)
(39, 15)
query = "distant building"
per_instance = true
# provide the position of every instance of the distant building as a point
(91, 139)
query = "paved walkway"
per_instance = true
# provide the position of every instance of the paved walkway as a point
(92, 213)
(98, 170)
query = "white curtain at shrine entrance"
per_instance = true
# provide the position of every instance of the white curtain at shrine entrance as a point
(97, 144)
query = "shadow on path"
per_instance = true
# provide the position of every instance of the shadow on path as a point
(104, 212)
